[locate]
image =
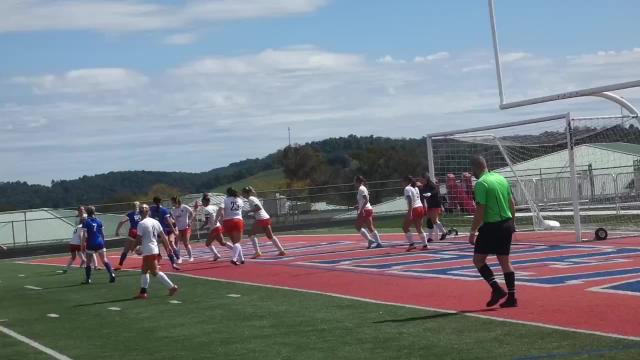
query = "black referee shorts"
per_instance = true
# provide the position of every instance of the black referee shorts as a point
(495, 238)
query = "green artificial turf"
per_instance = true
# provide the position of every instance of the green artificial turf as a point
(263, 323)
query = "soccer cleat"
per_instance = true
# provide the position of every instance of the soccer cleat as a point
(282, 253)
(510, 302)
(378, 246)
(191, 259)
(370, 244)
(64, 271)
(112, 278)
(412, 246)
(235, 262)
(425, 247)
(256, 255)
(173, 290)
(86, 282)
(496, 296)
(176, 267)
(444, 236)
(429, 240)
(241, 262)
(216, 257)
(117, 268)
(179, 261)
(141, 296)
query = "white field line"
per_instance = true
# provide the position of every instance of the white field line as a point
(32, 287)
(26, 340)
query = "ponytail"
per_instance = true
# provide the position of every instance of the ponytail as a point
(411, 181)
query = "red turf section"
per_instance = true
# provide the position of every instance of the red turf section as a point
(589, 286)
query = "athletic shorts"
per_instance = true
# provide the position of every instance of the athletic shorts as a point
(495, 238)
(233, 225)
(432, 211)
(216, 231)
(365, 214)
(133, 233)
(155, 257)
(263, 223)
(185, 233)
(95, 250)
(74, 248)
(168, 232)
(417, 213)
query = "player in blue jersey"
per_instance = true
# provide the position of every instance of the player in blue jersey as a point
(133, 217)
(163, 216)
(93, 243)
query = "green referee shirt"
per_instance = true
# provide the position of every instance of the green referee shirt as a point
(493, 191)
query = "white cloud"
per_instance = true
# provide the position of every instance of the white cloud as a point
(84, 81)
(181, 39)
(478, 67)
(510, 57)
(388, 59)
(607, 57)
(113, 16)
(295, 59)
(437, 56)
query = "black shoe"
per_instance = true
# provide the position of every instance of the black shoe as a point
(235, 262)
(444, 236)
(496, 296)
(425, 247)
(377, 246)
(112, 278)
(510, 302)
(86, 282)
(429, 240)
(370, 244)
(412, 246)
(242, 262)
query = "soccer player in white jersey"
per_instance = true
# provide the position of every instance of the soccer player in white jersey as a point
(183, 215)
(262, 223)
(415, 213)
(212, 216)
(149, 229)
(75, 248)
(232, 223)
(365, 214)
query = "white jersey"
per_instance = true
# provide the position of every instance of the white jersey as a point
(182, 215)
(262, 213)
(362, 203)
(148, 230)
(232, 207)
(414, 194)
(210, 215)
(77, 235)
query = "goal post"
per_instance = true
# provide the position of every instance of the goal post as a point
(576, 174)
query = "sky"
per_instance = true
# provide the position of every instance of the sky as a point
(92, 86)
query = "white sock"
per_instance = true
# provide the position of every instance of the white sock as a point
(440, 227)
(423, 237)
(189, 251)
(144, 280)
(409, 237)
(164, 280)
(236, 251)
(365, 235)
(376, 236)
(213, 250)
(71, 260)
(431, 233)
(241, 253)
(256, 246)
(178, 248)
(277, 244)
(228, 245)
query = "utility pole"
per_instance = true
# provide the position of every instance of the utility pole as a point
(289, 129)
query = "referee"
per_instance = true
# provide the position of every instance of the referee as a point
(493, 221)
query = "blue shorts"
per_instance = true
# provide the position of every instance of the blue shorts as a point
(168, 232)
(95, 249)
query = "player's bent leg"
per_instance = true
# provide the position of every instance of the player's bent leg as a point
(274, 240)
(423, 237)
(497, 293)
(209, 245)
(509, 280)
(254, 241)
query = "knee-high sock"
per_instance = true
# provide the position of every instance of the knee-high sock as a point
(107, 267)
(375, 236)
(365, 235)
(510, 281)
(87, 271)
(489, 277)
(431, 231)
(440, 227)
(213, 250)
(423, 237)
(189, 252)
(123, 256)
(409, 237)
(144, 282)
(236, 251)
(176, 252)
(172, 258)
(256, 246)
(241, 253)
(164, 280)
(228, 245)
(276, 243)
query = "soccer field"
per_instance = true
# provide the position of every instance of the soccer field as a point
(220, 319)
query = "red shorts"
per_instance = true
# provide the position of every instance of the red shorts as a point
(417, 213)
(432, 211)
(133, 233)
(233, 225)
(365, 214)
(263, 223)
(215, 231)
(73, 248)
(185, 233)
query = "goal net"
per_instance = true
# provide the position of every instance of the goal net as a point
(577, 174)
